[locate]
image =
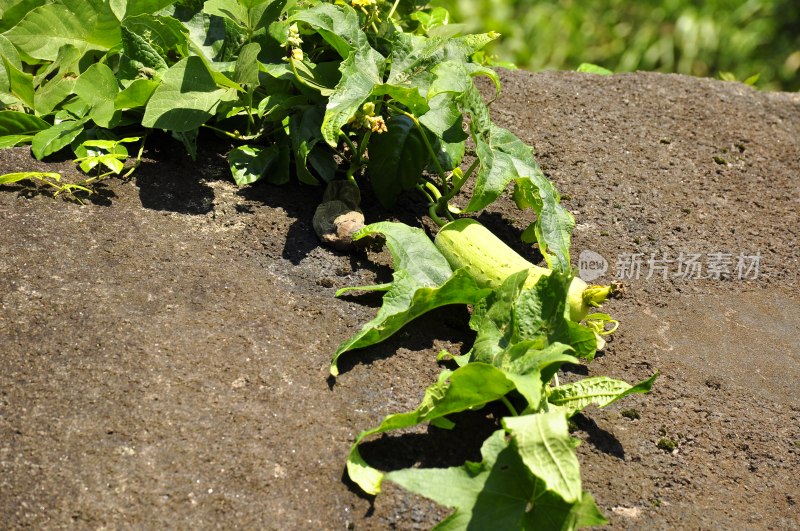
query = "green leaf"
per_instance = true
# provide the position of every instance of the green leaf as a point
(538, 316)
(8, 51)
(421, 282)
(499, 493)
(186, 98)
(230, 9)
(304, 131)
(338, 25)
(590, 68)
(10, 178)
(140, 57)
(20, 83)
(163, 33)
(598, 390)
(137, 94)
(438, 16)
(361, 72)
(20, 123)
(124, 9)
(505, 158)
(246, 71)
(9, 141)
(13, 11)
(60, 86)
(248, 164)
(85, 24)
(97, 86)
(56, 138)
(544, 443)
(414, 58)
(396, 159)
(215, 39)
(469, 387)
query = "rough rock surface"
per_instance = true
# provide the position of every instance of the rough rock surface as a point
(165, 348)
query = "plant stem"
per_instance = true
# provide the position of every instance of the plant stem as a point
(394, 8)
(510, 406)
(427, 143)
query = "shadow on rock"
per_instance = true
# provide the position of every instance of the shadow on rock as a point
(436, 448)
(448, 324)
(601, 439)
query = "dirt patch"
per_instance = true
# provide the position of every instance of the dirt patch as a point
(165, 349)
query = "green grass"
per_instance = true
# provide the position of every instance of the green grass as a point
(731, 39)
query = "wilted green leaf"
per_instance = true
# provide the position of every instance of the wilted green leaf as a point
(421, 282)
(468, 387)
(505, 158)
(499, 493)
(539, 315)
(598, 390)
(543, 442)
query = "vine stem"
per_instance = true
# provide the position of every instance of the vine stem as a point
(427, 143)
(394, 8)
(510, 406)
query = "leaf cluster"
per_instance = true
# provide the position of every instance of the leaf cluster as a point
(529, 477)
(314, 89)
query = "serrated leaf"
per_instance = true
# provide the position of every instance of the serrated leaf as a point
(468, 387)
(186, 98)
(56, 137)
(598, 390)
(421, 282)
(537, 316)
(396, 159)
(85, 24)
(248, 164)
(545, 446)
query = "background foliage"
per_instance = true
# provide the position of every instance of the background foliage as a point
(743, 37)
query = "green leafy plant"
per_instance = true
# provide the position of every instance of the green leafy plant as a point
(368, 92)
